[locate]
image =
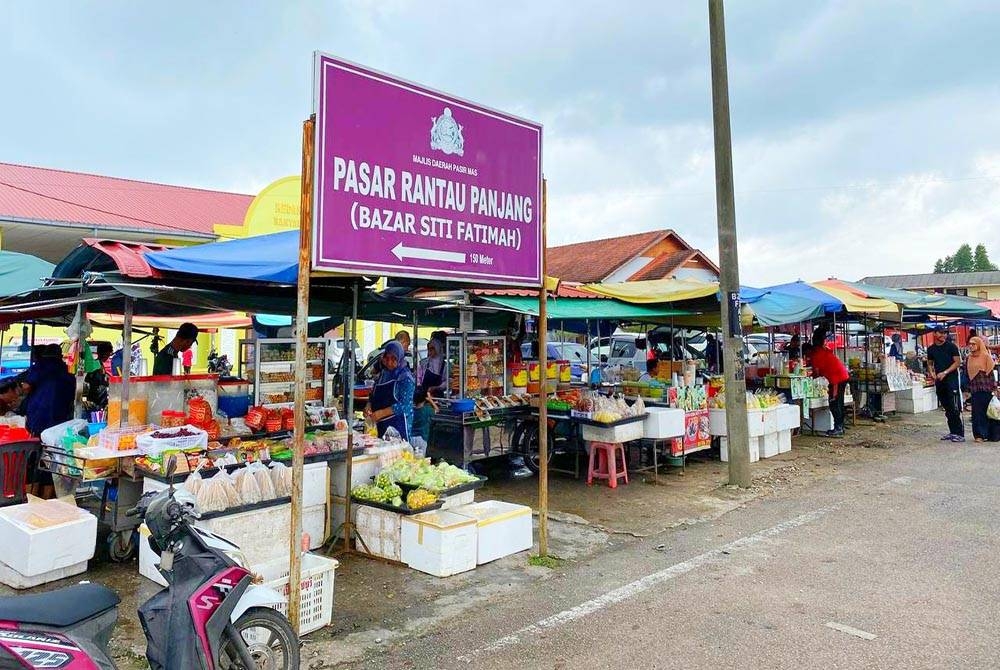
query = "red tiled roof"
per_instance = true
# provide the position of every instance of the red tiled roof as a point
(593, 261)
(42, 194)
(664, 265)
(566, 290)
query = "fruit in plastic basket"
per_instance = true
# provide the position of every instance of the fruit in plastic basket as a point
(420, 498)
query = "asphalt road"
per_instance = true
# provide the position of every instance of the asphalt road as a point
(894, 564)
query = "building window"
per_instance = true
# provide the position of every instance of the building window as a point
(983, 295)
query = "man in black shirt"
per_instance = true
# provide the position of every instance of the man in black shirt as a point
(944, 360)
(163, 364)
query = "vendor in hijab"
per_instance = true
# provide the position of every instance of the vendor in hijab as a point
(982, 385)
(51, 391)
(896, 348)
(391, 401)
(432, 373)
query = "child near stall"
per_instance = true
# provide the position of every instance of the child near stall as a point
(423, 409)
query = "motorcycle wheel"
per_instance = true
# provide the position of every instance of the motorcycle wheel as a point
(530, 448)
(270, 639)
(122, 546)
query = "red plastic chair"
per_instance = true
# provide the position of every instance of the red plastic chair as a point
(15, 458)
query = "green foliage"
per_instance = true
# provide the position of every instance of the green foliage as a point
(550, 562)
(965, 260)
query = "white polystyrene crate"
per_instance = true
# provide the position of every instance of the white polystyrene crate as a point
(148, 561)
(614, 434)
(755, 422)
(662, 422)
(16, 580)
(769, 445)
(41, 536)
(503, 528)
(717, 422)
(754, 449)
(378, 532)
(770, 418)
(315, 484)
(316, 588)
(363, 468)
(314, 522)
(440, 543)
(459, 499)
(784, 441)
(338, 512)
(789, 417)
(822, 420)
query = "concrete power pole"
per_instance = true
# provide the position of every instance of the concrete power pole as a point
(729, 280)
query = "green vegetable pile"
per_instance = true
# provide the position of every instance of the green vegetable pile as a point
(426, 476)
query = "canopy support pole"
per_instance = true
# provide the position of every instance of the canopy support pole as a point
(126, 358)
(349, 410)
(729, 279)
(295, 548)
(543, 409)
(415, 344)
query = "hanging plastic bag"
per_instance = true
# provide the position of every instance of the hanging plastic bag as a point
(281, 478)
(213, 495)
(193, 483)
(263, 478)
(993, 411)
(246, 486)
(392, 435)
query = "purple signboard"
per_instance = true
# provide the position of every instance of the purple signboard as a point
(411, 182)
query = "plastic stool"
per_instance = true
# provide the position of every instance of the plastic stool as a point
(605, 455)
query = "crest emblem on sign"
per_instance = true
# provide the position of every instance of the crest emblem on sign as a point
(446, 134)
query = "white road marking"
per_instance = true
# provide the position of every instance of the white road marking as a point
(649, 581)
(864, 635)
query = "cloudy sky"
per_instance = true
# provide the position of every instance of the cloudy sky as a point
(866, 134)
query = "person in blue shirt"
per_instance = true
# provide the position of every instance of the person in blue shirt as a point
(50, 391)
(390, 404)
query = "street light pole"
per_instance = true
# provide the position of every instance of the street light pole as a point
(729, 277)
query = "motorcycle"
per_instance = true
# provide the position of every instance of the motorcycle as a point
(219, 364)
(210, 617)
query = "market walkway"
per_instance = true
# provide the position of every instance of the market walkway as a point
(888, 561)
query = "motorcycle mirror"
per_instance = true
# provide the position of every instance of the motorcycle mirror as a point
(171, 466)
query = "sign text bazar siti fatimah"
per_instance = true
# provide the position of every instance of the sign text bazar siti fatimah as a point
(471, 203)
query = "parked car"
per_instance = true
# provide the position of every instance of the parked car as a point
(336, 350)
(761, 341)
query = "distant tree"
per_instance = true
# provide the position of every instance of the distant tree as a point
(965, 260)
(981, 260)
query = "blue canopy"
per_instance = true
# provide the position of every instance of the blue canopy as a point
(801, 289)
(774, 308)
(268, 258)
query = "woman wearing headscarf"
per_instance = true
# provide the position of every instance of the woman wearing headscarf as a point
(979, 367)
(896, 348)
(432, 373)
(391, 401)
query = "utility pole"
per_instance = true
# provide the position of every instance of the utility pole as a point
(729, 279)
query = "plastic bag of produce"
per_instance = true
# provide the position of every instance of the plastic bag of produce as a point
(281, 478)
(193, 483)
(993, 411)
(262, 476)
(392, 435)
(214, 496)
(246, 486)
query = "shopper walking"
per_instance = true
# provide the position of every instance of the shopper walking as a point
(982, 385)
(943, 362)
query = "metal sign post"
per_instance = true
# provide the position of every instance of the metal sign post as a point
(543, 409)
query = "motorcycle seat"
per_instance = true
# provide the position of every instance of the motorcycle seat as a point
(60, 608)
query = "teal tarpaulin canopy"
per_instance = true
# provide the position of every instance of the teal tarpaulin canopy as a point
(20, 273)
(581, 309)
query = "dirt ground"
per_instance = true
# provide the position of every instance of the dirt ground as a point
(376, 602)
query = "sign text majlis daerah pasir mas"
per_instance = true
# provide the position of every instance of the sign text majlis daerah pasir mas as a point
(475, 202)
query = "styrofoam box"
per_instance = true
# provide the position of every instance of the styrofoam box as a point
(315, 484)
(613, 434)
(789, 417)
(440, 543)
(769, 445)
(459, 499)
(378, 530)
(770, 417)
(663, 422)
(718, 428)
(823, 420)
(754, 449)
(16, 580)
(45, 535)
(503, 528)
(235, 528)
(784, 441)
(363, 468)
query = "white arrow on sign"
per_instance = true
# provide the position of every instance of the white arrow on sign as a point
(401, 252)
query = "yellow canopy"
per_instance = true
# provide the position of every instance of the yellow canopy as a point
(656, 290)
(855, 303)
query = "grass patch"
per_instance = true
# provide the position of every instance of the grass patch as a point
(550, 562)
